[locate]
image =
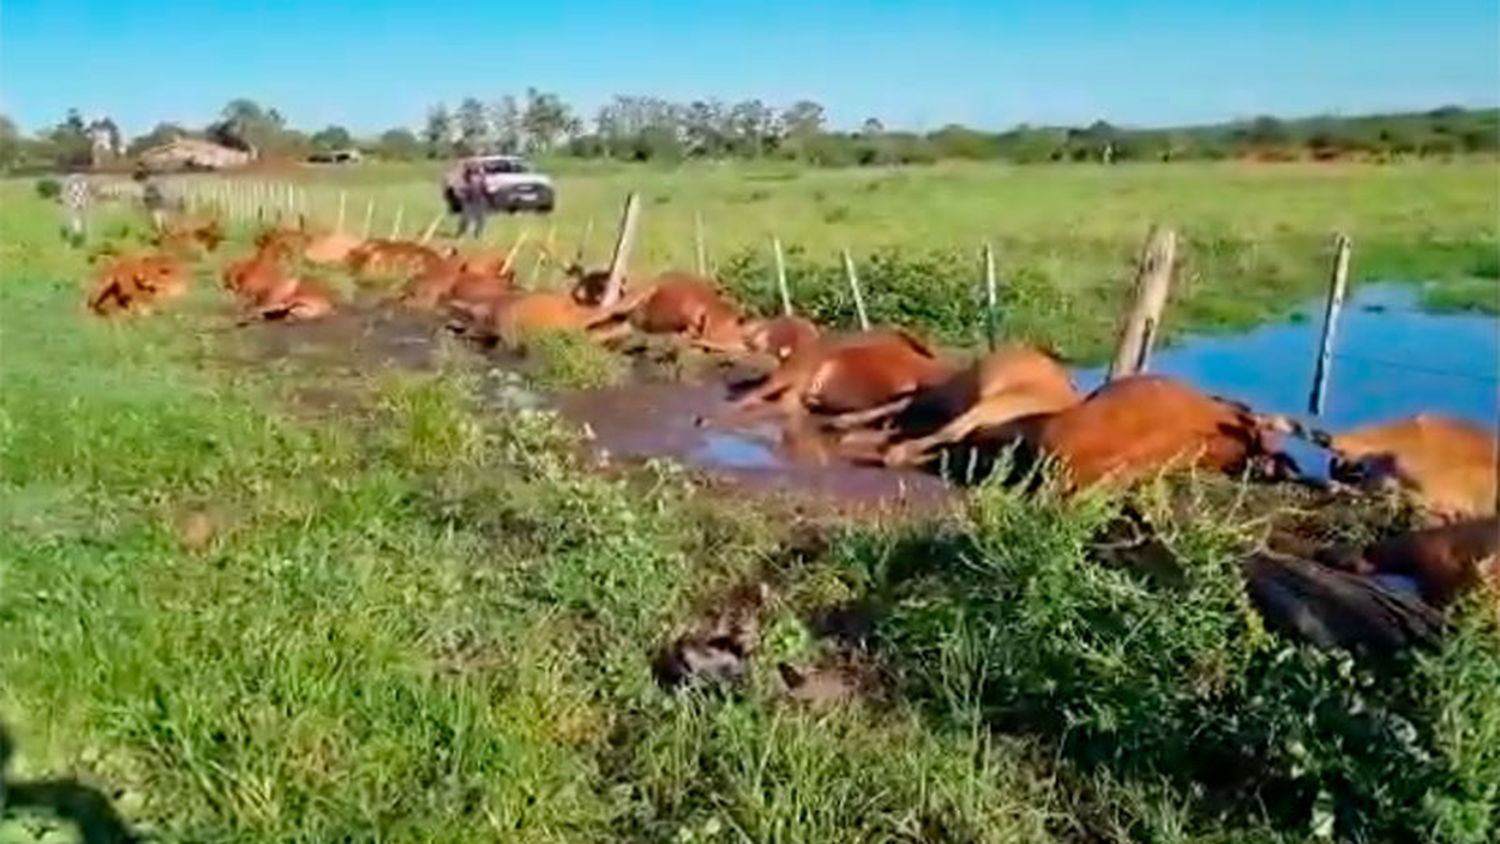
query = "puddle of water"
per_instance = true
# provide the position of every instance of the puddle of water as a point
(1391, 361)
(656, 420)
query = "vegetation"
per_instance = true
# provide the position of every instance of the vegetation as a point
(636, 128)
(1257, 239)
(425, 618)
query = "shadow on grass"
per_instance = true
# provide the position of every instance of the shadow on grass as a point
(66, 799)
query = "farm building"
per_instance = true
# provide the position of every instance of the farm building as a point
(191, 153)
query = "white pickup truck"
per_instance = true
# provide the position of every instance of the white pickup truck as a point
(510, 181)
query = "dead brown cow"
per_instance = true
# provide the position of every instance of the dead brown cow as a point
(1137, 426)
(1445, 562)
(136, 283)
(1011, 383)
(780, 337)
(846, 374)
(513, 317)
(686, 305)
(1447, 464)
(298, 300)
(391, 257)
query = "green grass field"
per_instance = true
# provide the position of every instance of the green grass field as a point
(1257, 238)
(420, 618)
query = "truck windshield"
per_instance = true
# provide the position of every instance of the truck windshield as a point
(505, 166)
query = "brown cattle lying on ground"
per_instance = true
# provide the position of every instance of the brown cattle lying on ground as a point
(391, 257)
(780, 337)
(846, 374)
(686, 305)
(263, 270)
(467, 283)
(295, 301)
(330, 248)
(1446, 464)
(513, 317)
(271, 290)
(184, 236)
(1137, 426)
(136, 283)
(1445, 562)
(1011, 383)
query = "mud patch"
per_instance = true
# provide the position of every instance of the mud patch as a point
(638, 422)
(361, 338)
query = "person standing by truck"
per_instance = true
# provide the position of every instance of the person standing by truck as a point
(475, 201)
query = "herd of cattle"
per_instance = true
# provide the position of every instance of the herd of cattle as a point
(881, 395)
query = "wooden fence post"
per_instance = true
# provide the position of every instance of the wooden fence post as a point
(701, 249)
(364, 232)
(1152, 284)
(1337, 283)
(343, 196)
(544, 253)
(624, 242)
(781, 285)
(588, 234)
(432, 227)
(991, 297)
(859, 299)
(396, 224)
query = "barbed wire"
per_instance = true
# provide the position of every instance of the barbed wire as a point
(1429, 370)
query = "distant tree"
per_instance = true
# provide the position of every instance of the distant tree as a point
(705, 128)
(438, 133)
(247, 125)
(473, 127)
(70, 145)
(506, 126)
(872, 126)
(399, 144)
(547, 120)
(754, 128)
(954, 141)
(10, 144)
(331, 138)
(160, 134)
(803, 118)
(1267, 131)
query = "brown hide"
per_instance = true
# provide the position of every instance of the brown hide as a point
(1447, 464)
(851, 373)
(1137, 426)
(1445, 561)
(1012, 383)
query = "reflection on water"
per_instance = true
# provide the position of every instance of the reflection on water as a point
(1391, 361)
(733, 451)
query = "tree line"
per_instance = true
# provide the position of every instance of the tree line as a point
(641, 128)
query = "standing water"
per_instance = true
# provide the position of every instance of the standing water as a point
(1391, 360)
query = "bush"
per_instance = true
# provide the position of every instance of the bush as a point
(48, 188)
(1163, 674)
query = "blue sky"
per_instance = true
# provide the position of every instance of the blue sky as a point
(992, 63)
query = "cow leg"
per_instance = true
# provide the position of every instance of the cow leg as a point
(992, 412)
(607, 333)
(861, 418)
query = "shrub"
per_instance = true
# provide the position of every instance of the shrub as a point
(1163, 674)
(48, 188)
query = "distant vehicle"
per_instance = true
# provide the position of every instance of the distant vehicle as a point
(337, 156)
(510, 181)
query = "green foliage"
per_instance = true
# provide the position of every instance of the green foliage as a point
(48, 188)
(1163, 674)
(570, 359)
